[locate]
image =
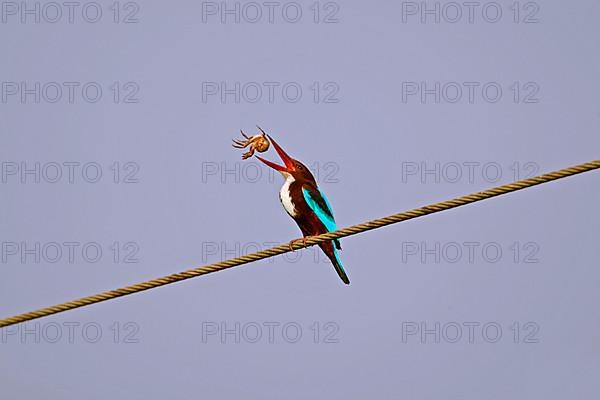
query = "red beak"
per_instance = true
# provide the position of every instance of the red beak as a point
(287, 160)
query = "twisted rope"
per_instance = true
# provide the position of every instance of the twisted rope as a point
(313, 240)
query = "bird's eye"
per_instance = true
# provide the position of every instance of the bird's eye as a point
(300, 167)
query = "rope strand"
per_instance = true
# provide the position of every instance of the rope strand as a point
(313, 240)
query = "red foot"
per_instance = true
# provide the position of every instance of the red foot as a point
(291, 244)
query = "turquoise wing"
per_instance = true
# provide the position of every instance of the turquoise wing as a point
(317, 202)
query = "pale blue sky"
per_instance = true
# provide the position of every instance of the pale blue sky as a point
(183, 198)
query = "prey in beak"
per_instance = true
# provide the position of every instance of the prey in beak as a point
(289, 163)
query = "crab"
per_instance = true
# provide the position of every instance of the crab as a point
(257, 142)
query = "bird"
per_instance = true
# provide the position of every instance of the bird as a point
(307, 205)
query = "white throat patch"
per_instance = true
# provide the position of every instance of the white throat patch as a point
(285, 198)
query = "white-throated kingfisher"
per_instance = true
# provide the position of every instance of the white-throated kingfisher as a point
(307, 205)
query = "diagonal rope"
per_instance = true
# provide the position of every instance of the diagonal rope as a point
(285, 248)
